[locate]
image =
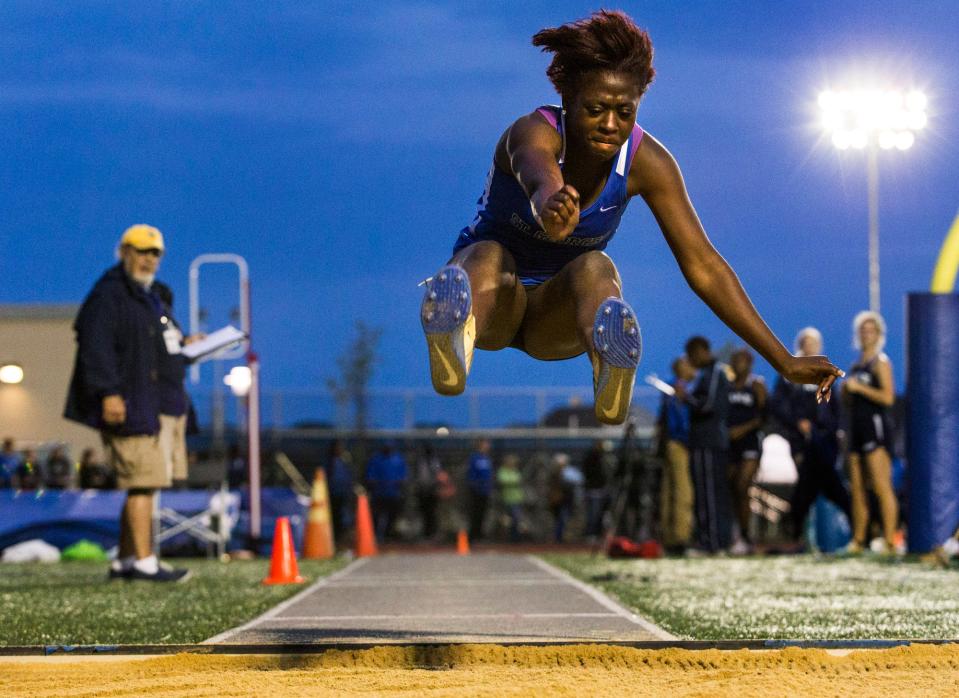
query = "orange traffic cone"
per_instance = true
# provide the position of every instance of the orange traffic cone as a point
(462, 543)
(318, 541)
(283, 569)
(365, 539)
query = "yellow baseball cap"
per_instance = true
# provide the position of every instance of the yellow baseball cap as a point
(142, 237)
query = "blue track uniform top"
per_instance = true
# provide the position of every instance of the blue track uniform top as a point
(504, 215)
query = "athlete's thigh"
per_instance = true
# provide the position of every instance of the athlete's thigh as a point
(560, 311)
(549, 330)
(499, 299)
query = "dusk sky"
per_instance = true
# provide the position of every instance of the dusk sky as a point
(340, 146)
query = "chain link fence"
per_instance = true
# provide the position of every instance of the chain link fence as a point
(416, 409)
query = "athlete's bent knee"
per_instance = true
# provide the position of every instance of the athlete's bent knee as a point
(596, 267)
(486, 253)
(488, 263)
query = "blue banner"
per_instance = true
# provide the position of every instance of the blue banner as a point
(62, 517)
(932, 418)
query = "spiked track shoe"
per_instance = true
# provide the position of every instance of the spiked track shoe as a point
(619, 347)
(447, 318)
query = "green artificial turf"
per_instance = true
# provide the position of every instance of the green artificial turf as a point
(72, 603)
(794, 597)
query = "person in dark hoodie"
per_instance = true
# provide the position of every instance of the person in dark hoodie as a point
(812, 429)
(115, 388)
(709, 446)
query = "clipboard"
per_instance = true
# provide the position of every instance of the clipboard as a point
(215, 342)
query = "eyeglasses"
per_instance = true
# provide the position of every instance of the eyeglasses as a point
(153, 252)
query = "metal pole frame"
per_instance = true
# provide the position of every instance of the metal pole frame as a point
(872, 177)
(244, 301)
(253, 446)
(244, 349)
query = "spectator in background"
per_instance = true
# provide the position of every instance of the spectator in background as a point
(448, 518)
(237, 473)
(115, 389)
(93, 474)
(339, 480)
(811, 428)
(58, 471)
(676, 485)
(564, 481)
(747, 410)
(479, 480)
(9, 462)
(870, 392)
(509, 480)
(596, 487)
(708, 446)
(428, 469)
(27, 475)
(385, 477)
(174, 401)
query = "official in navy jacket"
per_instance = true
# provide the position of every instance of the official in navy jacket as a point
(119, 340)
(122, 340)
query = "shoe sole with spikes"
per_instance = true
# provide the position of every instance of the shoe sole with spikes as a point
(447, 318)
(619, 347)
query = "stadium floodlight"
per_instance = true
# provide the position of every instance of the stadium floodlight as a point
(240, 378)
(872, 119)
(11, 374)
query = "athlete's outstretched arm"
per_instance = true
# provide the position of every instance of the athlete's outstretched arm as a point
(529, 150)
(655, 176)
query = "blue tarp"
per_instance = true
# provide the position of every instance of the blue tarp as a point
(62, 517)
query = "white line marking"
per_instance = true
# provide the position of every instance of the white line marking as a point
(368, 583)
(430, 575)
(438, 616)
(603, 600)
(283, 605)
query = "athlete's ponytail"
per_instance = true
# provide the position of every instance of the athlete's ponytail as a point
(606, 40)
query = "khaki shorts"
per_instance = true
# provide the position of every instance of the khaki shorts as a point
(138, 461)
(173, 443)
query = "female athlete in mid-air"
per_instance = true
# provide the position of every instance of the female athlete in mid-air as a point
(529, 271)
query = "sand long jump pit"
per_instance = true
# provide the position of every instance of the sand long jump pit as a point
(916, 670)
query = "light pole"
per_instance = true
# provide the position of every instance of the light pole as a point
(871, 120)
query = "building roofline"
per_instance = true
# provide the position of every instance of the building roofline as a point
(38, 311)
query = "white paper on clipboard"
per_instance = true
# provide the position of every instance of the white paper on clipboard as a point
(209, 346)
(660, 385)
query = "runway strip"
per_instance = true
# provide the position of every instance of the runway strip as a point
(443, 598)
